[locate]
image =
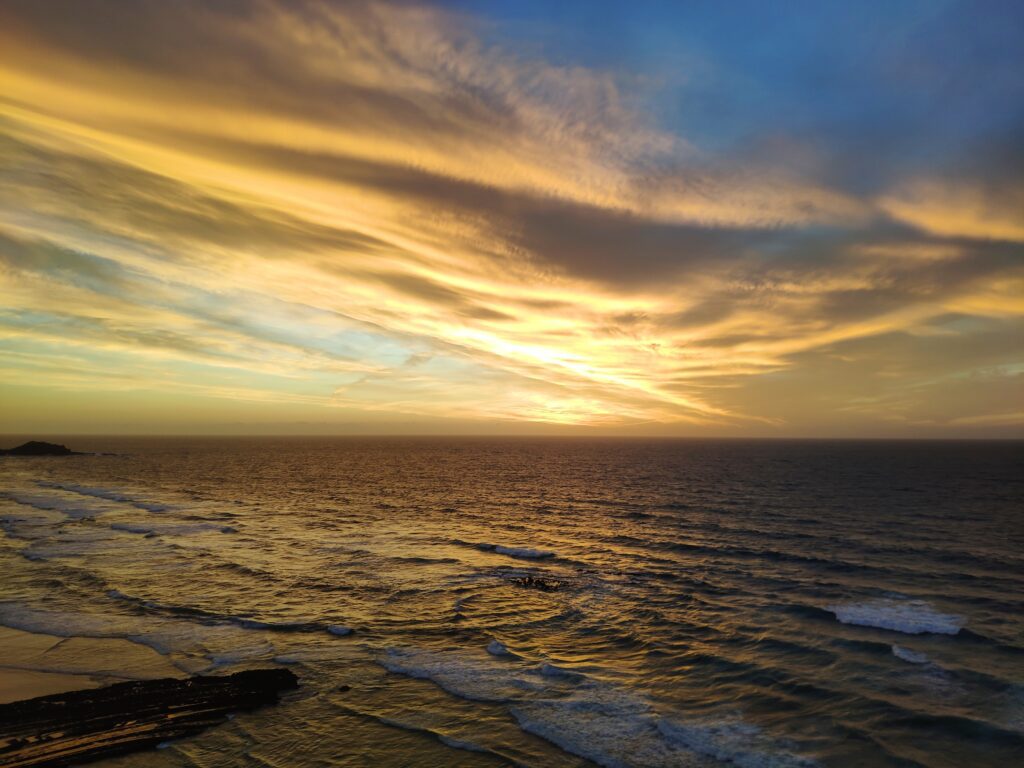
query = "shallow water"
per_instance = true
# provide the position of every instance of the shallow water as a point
(755, 603)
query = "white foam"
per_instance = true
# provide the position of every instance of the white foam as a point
(339, 630)
(620, 729)
(497, 648)
(99, 493)
(734, 742)
(109, 494)
(612, 728)
(463, 676)
(239, 654)
(914, 657)
(605, 724)
(524, 552)
(31, 523)
(550, 670)
(912, 617)
(73, 510)
(63, 543)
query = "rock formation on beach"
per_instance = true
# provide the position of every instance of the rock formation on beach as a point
(82, 726)
(38, 448)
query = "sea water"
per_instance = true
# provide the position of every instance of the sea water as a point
(746, 603)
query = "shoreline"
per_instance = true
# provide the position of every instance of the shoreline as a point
(38, 664)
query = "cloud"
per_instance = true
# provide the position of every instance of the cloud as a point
(965, 209)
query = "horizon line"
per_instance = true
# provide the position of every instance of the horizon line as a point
(496, 436)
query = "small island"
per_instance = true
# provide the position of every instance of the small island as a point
(39, 448)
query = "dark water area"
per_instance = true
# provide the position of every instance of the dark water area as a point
(750, 603)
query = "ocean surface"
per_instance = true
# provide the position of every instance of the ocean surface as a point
(548, 602)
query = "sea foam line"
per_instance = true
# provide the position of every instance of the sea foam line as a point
(912, 617)
(603, 723)
(107, 494)
(71, 509)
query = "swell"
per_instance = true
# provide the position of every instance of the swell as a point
(440, 735)
(827, 562)
(202, 615)
(106, 494)
(964, 635)
(864, 706)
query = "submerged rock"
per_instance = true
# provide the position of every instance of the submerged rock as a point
(537, 582)
(38, 448)
(82, 726)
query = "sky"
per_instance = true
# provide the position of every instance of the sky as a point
(645, 218)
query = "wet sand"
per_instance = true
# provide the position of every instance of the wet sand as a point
(21, 684)
(33, 664)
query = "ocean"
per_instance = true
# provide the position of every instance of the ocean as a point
(544, 602)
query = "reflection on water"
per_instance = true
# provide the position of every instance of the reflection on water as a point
(547, 602)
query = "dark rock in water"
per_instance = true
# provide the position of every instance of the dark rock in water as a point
(38, 448)
(537, 582)
(82, 726)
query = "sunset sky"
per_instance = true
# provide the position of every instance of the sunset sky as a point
(677, 218)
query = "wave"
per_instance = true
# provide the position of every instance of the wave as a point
(172, 529)
(239, 654)
(72, 510)
(160, 638)
(108, 494)
(611, 728)
(735, 742)
(498, 648)
(448, 741)
(503, 549)
(966, 729)
(307, 655)
(1004, 647)
(206, 616)
(912, 617)
(524, 552)
(619, 729)
(550, 670)
(914, 657)
(467, 678)
(598, 721)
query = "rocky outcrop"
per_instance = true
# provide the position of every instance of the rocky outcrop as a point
(537, 582)
(82, 726)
